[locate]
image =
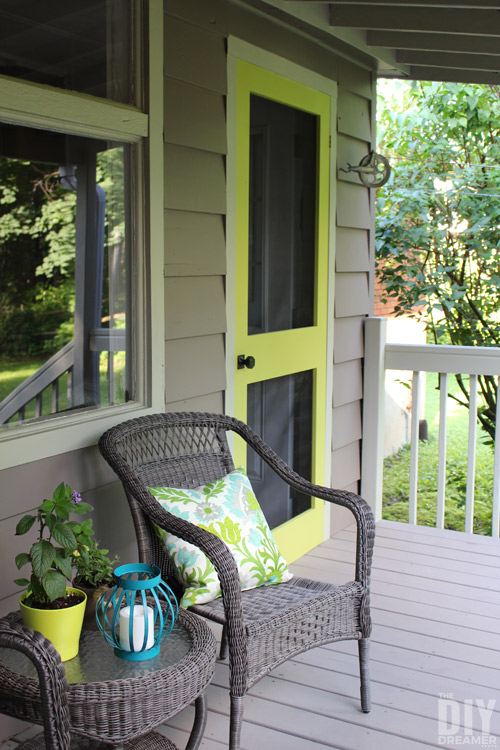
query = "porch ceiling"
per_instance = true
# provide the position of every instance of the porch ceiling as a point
(440, 40)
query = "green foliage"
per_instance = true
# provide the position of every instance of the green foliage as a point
(37, 255)
(52, 565)
(37, 232)
(12, 373)
(438, 225)
(397, 487)
(58, 539)
(93, 566)
(42, 325)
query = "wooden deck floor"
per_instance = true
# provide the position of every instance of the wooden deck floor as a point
(436, 613)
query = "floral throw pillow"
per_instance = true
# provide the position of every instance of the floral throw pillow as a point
(229, 509)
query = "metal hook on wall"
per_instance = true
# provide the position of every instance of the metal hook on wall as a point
(373, 170)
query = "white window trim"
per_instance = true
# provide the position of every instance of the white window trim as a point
(26, 103)
(44, 107)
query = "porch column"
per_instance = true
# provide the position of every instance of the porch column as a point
(372, 454)
(89, 241)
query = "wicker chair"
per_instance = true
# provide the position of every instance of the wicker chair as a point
(265, 626)
(51, 675)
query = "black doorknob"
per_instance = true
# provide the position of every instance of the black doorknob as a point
(245, 362)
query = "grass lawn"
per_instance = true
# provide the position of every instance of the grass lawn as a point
(397, 470)
(12, 373)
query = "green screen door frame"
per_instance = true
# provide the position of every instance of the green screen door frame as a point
(284, 352)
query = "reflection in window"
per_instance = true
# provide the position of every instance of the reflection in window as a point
(78, 45)
(63, 274)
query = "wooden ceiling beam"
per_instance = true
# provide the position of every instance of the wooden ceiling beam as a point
(427, 73)
(478, 5)
(443, 42)
(449, 60)
(411, 18)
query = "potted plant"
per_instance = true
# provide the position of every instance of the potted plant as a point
(94, 574)
(49, 605)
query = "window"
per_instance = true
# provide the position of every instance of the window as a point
(64, 258)
(73, 151)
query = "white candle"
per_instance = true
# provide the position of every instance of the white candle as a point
(137, 628)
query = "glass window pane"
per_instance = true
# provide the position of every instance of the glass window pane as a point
(282, 217)
(64, 264)
(80, 45)
(280, 411)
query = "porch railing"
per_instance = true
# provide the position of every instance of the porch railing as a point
(380, 357)
(59, 371)
(48, 376)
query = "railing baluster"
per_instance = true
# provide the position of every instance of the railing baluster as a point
(495, 513)
(415, 411)
(38, 405)
(55, 396)
(441, 488)
(69, 387)
(111, 372)
(471, 455)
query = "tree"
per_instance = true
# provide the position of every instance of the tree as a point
(438, 226)
(37, 257)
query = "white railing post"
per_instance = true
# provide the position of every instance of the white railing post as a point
(471, 456)
(443, 411)
(372, 455)
(495, 515)
(416, 397)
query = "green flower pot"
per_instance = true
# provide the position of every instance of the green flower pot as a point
(61, 626)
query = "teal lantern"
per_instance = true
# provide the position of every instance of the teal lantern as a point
(138, 613)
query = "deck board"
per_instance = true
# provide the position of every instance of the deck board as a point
(436, 613)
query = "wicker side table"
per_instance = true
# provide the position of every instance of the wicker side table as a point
(100, 698)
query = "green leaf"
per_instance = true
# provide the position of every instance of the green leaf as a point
(62, 510)
(50, 521)
(85, 540)
(22, 559)
(47, 506)
(59, 493)
(54, 584)
(64, 536)
(63, 564)
(22, 582)
(42, 557)
(86, 527)
(37, 589)
(25, 525)
(81, 508)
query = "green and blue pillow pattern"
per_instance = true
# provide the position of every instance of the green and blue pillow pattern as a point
(229, 509)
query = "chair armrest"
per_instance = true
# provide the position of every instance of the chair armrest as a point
(51, 675)
(221, 558)
(363, 515)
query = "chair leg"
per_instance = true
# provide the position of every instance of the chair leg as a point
(364, 674)
(223, 653)
(199, 724)
(235, 722)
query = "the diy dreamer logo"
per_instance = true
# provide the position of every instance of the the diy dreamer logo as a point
(466, 722)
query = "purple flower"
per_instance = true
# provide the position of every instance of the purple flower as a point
(76, 497)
